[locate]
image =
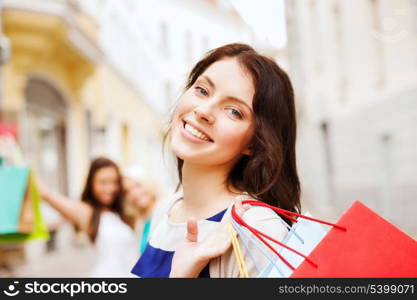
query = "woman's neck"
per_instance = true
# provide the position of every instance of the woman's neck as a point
(204, 189)
(105, 209)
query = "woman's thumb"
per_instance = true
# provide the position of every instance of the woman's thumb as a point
(192, 231)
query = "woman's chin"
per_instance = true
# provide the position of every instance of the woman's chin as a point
(106, 202)
(181, 155)
(180, 150)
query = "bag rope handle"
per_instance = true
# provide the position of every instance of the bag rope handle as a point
(238, 253)
(284, 213)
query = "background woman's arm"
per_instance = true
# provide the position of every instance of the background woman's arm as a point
(76, 212)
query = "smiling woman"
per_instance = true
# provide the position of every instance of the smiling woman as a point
(211, 126)
(101, 215)
(233, 133)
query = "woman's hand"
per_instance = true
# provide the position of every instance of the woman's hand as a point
(192, 255)
(42, 188)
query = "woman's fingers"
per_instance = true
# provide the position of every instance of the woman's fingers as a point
(216, 243)
(40, 185)
(241, 208)
(192, 231)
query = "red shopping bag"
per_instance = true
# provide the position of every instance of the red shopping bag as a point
(370, 247)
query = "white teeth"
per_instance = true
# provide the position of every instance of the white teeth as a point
(196, 132)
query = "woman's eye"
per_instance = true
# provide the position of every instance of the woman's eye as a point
(201, 91)
(235, 113)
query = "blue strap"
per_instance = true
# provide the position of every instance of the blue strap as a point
(245, 234)
(292, 230)
(145, 236)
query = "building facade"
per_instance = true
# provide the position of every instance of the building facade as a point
(89, 78)
(67, 102)
(155, 44)
(354, 65)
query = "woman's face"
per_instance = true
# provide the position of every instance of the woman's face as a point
(213, 122)
(106, 185)
(137, 194)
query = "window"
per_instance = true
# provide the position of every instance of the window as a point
(164, 40)
(189, 55)
(205, 44)
(328, 156)
(388, 172)
(168, 93)
(316, 36)
(343, 79)
(378, 43)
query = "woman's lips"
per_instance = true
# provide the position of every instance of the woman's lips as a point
(194, 134)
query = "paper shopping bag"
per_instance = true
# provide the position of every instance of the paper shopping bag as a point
(39, 230)
(370, 247)
(27, 215)
(303, 236)
(13, 196)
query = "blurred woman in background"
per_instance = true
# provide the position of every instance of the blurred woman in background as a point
(141, 196)
(101, 215)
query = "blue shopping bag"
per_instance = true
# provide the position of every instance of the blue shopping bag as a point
(13, 186)
(16, 184)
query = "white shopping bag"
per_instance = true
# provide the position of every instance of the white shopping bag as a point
(303, 237)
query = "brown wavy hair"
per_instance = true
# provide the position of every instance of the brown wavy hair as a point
(270, 173)
(89, 197)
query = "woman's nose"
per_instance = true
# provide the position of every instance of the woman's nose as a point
(204, 113)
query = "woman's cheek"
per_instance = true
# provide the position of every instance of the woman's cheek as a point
(231, 145)
(234, 134)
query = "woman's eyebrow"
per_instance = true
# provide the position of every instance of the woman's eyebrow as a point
(211, 83)
(241, 102)
(213, 86)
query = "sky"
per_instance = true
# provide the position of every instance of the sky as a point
(267, 19)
